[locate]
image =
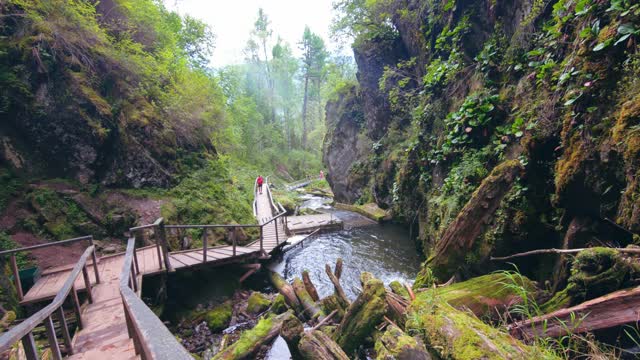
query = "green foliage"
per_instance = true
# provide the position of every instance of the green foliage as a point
(22, 258)
(10, 185)
(219, 193)
(62, 217)
(470, 126)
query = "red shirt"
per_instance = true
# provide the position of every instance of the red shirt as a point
(259, 180)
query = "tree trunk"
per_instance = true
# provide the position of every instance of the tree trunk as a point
(459, 237)
(362, 316)
(340, 295)
(316, 345)
(311, 289)
(304, 110)
(287, 291)
(252, 340)
(457, 335)
(396, 344)
(615, 309)
(310, 308)
(292, 331)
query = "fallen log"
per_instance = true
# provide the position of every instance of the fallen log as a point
(330, 304)
(316, 345)
(615, 309)
(292, 331)
(311, 289)
(252, 340)
(396, 344)
(363, 315)
(325, 320)
(340, 294)
(458, 335)
(560, 251)
(308, 304)
(287, 291)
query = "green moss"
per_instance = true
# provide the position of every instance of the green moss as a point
(596, 272)
(425, 278)
(560, 300)
(399, 289)
(483, 294)
(250, 337)
(279, 305)
(396, 344)
(364, 314)
(257, 303)
(370, 210)
(455, 334)
(219, 317)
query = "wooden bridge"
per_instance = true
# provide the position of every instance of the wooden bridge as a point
(115, 323)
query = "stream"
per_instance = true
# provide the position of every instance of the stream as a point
(364, 245)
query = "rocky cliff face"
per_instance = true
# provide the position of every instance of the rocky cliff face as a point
(461, 88)
(75, 104)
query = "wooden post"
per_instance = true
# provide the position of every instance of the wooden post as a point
(87, 283)
(275, 222)
(135, 261)
(204, 245)
(261, 238)
(134, 280)
(132, 332)
(94, 257)
(29, 345)
(53, 340)
(162, 239)
(66, 336)
(76, 307)
(233, 239)
(16, 276)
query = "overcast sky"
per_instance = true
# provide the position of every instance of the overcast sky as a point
(232, 21)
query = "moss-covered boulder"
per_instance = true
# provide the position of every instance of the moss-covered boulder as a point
(598, 271)
(279, 305)
(257, 303)
(219, 317)
(395, 344)
(363, 315)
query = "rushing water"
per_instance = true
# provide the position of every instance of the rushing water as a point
(384, 250)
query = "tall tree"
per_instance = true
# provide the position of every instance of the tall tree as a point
(314, 56)
(262, 31)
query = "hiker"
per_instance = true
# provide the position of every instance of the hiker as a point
(260, 181)
(321, 174)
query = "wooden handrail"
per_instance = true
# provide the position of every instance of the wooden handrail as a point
(40, 246)
(23, 331)
(151, 338)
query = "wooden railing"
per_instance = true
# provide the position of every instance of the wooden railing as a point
(151, 338)
(14, 264)
(24, 331)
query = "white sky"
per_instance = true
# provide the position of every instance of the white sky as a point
(232, 22)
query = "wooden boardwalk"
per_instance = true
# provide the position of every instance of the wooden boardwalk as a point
(104, 335)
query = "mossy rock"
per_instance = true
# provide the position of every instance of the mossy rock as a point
(219, 317)
(257, 303)
(596, 272)
(279, 305)
(6, 321)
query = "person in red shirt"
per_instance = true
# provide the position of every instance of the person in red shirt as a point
(260, 181)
